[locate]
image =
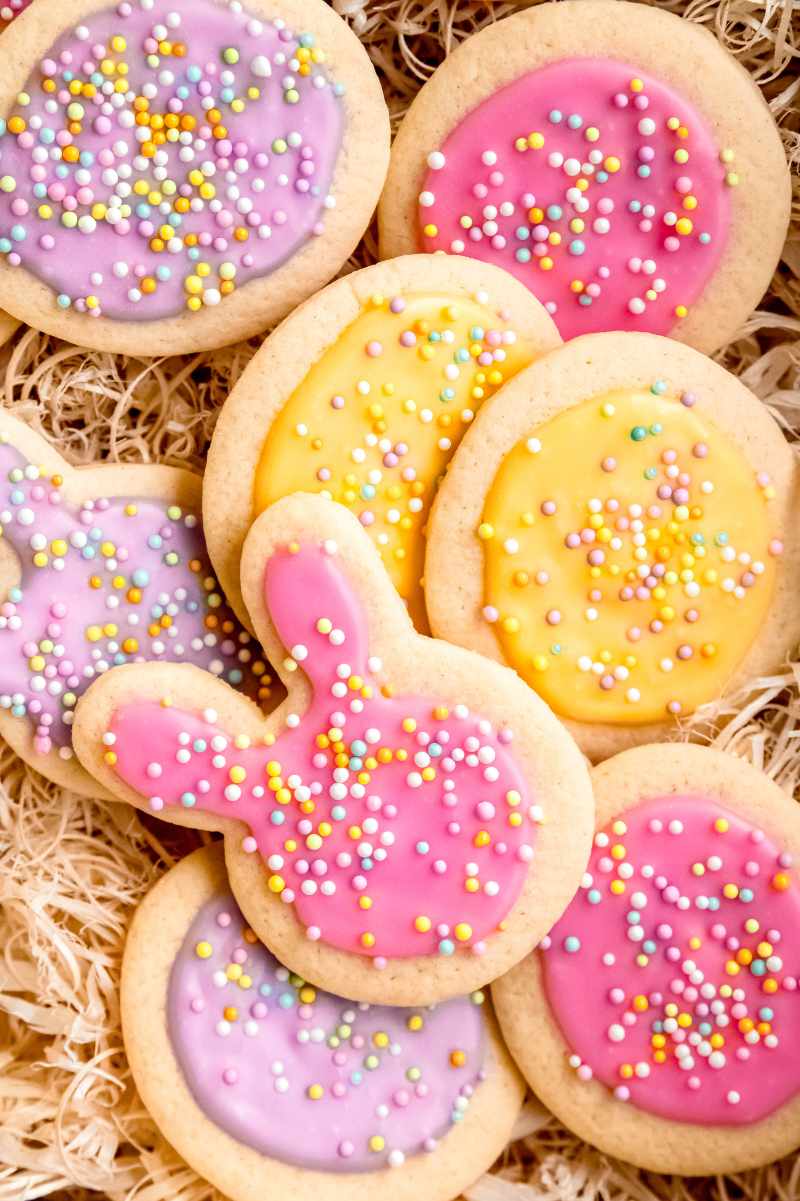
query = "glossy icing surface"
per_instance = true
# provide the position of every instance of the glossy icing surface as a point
(166, 152)
(597, 185)
(396, 826)
(630, 557)
(304, 1076)
(113, 580)
(378, 417)
(673, 973)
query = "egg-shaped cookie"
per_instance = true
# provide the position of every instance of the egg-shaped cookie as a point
(613, 156)
(268, 1086)
(660, 1018)
(178, 174)
(363, 395)
(618, 526)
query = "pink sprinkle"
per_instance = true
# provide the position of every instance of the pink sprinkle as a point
(230, 1075)
(374, 349)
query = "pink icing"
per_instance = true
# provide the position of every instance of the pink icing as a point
(632, 264)
(12, 8)
(425, 853)
(304, 1076)
(614, 963)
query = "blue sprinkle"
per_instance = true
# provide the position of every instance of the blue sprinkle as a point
(446, 947)
(555, 116)
(643, 171)
(522, 255)
(574, 121)
(277, 817)
(572, 944)
(576, 246)
(422, 847)
(286, 1000)
(188, 799)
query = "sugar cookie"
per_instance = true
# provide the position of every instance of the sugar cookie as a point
(411, 820)
(100, 566)
(618, 526)
(363, 394)
(179, 174)
(267, 1086)
(660, 1019)
(613, 156)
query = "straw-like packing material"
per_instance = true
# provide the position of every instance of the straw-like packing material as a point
(71, 871)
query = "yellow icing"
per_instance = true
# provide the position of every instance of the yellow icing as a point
(422, 396)
(587, 660)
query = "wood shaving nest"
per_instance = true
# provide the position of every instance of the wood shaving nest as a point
(71, 871)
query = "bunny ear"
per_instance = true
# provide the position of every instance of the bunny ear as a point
(316, 612)
(174, 758)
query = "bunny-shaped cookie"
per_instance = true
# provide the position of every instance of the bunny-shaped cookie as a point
(99, 566)
(406, 825)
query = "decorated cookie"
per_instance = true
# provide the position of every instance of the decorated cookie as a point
(660, 1018)
(363, 395)
(614, 157)
(406, 825)
(268, 1086)
(618, 526)
(179, 174)
(100, 566)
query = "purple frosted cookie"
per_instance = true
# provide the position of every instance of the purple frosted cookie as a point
(100, 566)
(259, 1079)
(178, 174)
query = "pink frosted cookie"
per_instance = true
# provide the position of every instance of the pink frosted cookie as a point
(100, 566)
(613, 157)
(179, 174)
(660, 1018)
(406, 825)
(268, 1086)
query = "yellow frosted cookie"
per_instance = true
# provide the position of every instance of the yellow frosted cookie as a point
(363, 395)
(617, 528)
